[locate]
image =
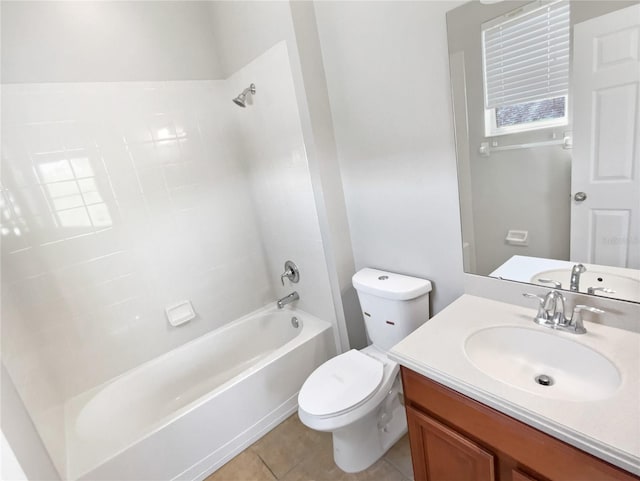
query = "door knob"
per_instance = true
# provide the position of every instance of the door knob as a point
(580, 196)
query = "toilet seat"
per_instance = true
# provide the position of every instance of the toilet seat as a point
(341, 384)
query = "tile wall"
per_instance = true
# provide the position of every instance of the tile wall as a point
(273, 148)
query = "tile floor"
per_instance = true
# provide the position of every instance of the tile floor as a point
(293, 452)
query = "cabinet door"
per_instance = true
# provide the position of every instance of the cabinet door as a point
(441, 454)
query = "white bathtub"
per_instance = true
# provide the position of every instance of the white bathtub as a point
(184, 414)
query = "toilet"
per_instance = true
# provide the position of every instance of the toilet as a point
(357, 395)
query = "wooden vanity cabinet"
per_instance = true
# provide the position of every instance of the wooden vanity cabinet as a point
(455, 438)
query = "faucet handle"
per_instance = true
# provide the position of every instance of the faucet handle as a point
(533, 296)
(291, 272)
(593, 290)
(576, 319)
(542, 313)
(556, 284)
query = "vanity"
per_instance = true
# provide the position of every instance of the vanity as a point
(477, 410)
(545, 122)
(549, 195)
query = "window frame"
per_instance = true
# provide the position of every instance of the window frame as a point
(491, 128)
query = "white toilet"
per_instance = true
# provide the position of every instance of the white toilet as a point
(356, 395)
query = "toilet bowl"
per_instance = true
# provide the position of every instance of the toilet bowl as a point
(357, 395)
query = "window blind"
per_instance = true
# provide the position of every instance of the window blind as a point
(526, 54)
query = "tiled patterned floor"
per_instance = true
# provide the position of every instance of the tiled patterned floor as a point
(293, 452)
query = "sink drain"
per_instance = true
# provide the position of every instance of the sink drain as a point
(544, 380)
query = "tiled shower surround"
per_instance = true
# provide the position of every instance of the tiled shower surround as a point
(119, 199)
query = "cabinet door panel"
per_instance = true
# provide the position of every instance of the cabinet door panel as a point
(520, 476)
(444, 454)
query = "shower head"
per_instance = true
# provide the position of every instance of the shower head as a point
(241, 99)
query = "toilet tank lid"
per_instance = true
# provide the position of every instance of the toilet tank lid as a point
(390, 285)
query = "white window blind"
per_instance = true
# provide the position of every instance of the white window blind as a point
(526, 54)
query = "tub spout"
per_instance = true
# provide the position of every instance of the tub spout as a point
(287, 299)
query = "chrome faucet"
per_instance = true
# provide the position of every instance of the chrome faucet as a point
(554, 303)
(575, 277)
(550, 308)
(288, 299)
(551, 314)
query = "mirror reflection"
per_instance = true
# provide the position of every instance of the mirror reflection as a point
(546, 104)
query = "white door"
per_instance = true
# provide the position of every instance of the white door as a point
(605, 166)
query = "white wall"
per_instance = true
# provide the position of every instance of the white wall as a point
(243, 30)
(22, 454)
(272, 147)
(326, 176)
(9, 465)
(387, 73)
(87, 41)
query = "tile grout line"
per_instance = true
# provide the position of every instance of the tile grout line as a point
(266, 465)
(392, 464)
(394, 467)
(297, 463)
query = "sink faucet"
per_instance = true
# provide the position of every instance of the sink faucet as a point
(551, 314)
(575, 277)
(550, 308)
(288, 299)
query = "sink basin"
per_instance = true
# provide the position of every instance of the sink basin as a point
(625, 287)
(517, 355)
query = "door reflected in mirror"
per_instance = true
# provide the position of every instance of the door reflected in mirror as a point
(546, 108)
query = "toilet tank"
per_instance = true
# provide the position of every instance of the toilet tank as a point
(393, 305)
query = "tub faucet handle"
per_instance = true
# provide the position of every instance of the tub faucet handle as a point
(291, 272)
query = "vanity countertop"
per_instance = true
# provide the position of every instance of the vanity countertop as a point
(608, 428)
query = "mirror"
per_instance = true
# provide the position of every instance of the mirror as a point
(546, 108)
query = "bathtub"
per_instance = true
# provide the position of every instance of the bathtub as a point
(187, 412)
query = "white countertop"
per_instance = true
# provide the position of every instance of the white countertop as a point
(607, 428)
(529, 269)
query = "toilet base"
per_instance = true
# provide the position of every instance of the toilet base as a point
(359, 445)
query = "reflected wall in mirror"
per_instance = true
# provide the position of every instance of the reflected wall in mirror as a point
(546, 106)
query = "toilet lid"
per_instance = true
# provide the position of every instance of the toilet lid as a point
(340, 384)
